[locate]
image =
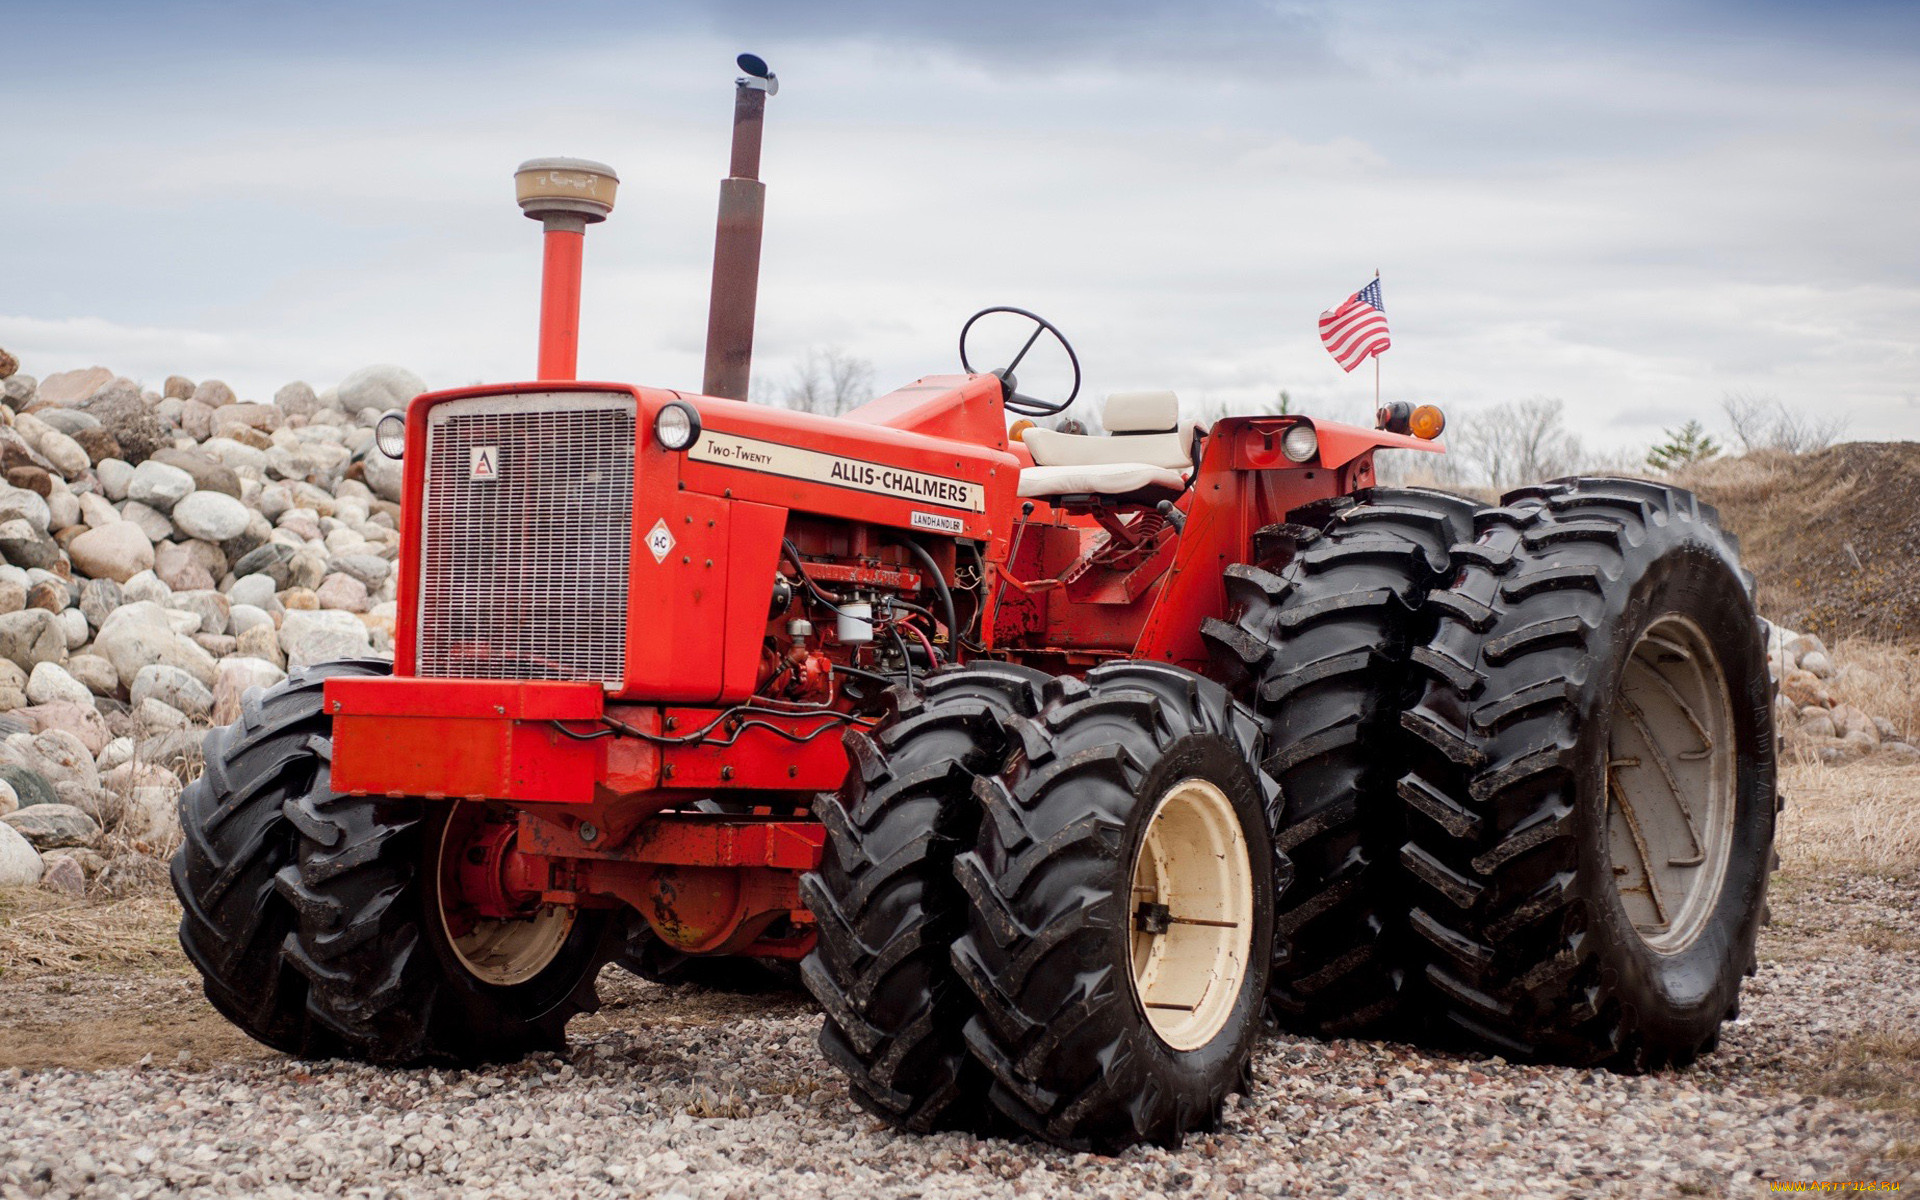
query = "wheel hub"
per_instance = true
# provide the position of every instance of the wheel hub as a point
(500, 936)
(1192, 914)
(1670, 784)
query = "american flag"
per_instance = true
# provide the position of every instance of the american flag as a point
(1357, 330)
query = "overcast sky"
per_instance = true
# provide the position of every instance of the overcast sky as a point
(1635, 207)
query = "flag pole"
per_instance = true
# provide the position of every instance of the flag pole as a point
(1376, 358)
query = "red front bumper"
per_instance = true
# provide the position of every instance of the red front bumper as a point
(474, 739)
(466, 739)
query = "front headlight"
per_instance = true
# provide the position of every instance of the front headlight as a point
(390, 435)
(677, 426)
(1300, 444)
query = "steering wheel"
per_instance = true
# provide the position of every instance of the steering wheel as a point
(1026, 405)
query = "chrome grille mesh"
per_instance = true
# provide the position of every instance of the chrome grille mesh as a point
(524, 576)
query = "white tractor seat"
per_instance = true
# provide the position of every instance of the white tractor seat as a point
(1146, 449)
(1099, 479)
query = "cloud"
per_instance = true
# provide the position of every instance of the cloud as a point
(1636, 210)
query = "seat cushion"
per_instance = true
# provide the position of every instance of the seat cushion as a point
(1099, 479)
(1052, 449)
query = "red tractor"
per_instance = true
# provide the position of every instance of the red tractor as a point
(1056, 761)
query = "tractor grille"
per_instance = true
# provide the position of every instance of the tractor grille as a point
(527, 523)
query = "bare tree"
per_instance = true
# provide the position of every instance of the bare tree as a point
(1207, 410)
(1521, 442)
(828, 381)
(1767, 423)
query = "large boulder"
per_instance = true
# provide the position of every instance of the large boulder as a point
(50, 681)
(296, 399)
(20, 864)
(98, 599)
(210, 606)
(68, 457)
(271, 560)
(58, 756)
(25, 504)
(172, 687)
(209, 474)
(159, 485)
(72, 387)
(118, 551)
(213, 393)
(369, 569)
(29, 786)
(311, 636)
(178, 569)
(24, 546)
(140, 634)
(342, 592)
(99, 445)
(209, 516)
(238, 675)
(125, 414)
(32, 636)
(384, 475)
(49, 826)
(96, 673)
(381, 387)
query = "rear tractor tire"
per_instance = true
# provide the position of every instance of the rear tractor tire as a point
(1121, 909)
(1324, 641)
(358, 918)
(1590, 825)
(887, 905)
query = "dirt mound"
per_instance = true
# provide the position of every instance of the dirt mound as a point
(1834, 536)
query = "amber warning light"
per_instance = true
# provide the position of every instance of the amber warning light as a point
(1425, 422)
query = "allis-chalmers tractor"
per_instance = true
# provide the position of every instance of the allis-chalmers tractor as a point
(1055, 761)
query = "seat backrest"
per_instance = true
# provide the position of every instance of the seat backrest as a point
(1143, 427)
(1141, 412)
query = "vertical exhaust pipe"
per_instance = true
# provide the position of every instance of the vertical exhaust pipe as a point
(736, 241)
(565, 195)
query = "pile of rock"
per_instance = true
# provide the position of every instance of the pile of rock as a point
(164, 552)
(1813, 717)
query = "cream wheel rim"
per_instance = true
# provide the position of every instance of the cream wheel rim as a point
(504, 951)
(1192, 915)
(1671, 773)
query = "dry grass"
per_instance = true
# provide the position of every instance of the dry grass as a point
(1864, 816)
(1875, 1070)
(1880, 678)
(41, 932)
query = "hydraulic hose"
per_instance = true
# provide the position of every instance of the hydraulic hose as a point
(940, 589)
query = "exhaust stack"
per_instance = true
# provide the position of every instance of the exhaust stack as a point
(565, 195)
(736, 241)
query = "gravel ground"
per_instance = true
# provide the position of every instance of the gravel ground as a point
(696, 1094)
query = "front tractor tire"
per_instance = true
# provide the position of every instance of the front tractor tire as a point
(1120, 910)
(330, 925)
(886, 901)
(1590, 826)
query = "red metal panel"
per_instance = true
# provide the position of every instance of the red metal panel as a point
(753, 558)
(677, 634)
(898, 443)
(1341, 444)
(433, 737)
(513, 699)
(758, 758)
(700, 841)
(463, 757)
